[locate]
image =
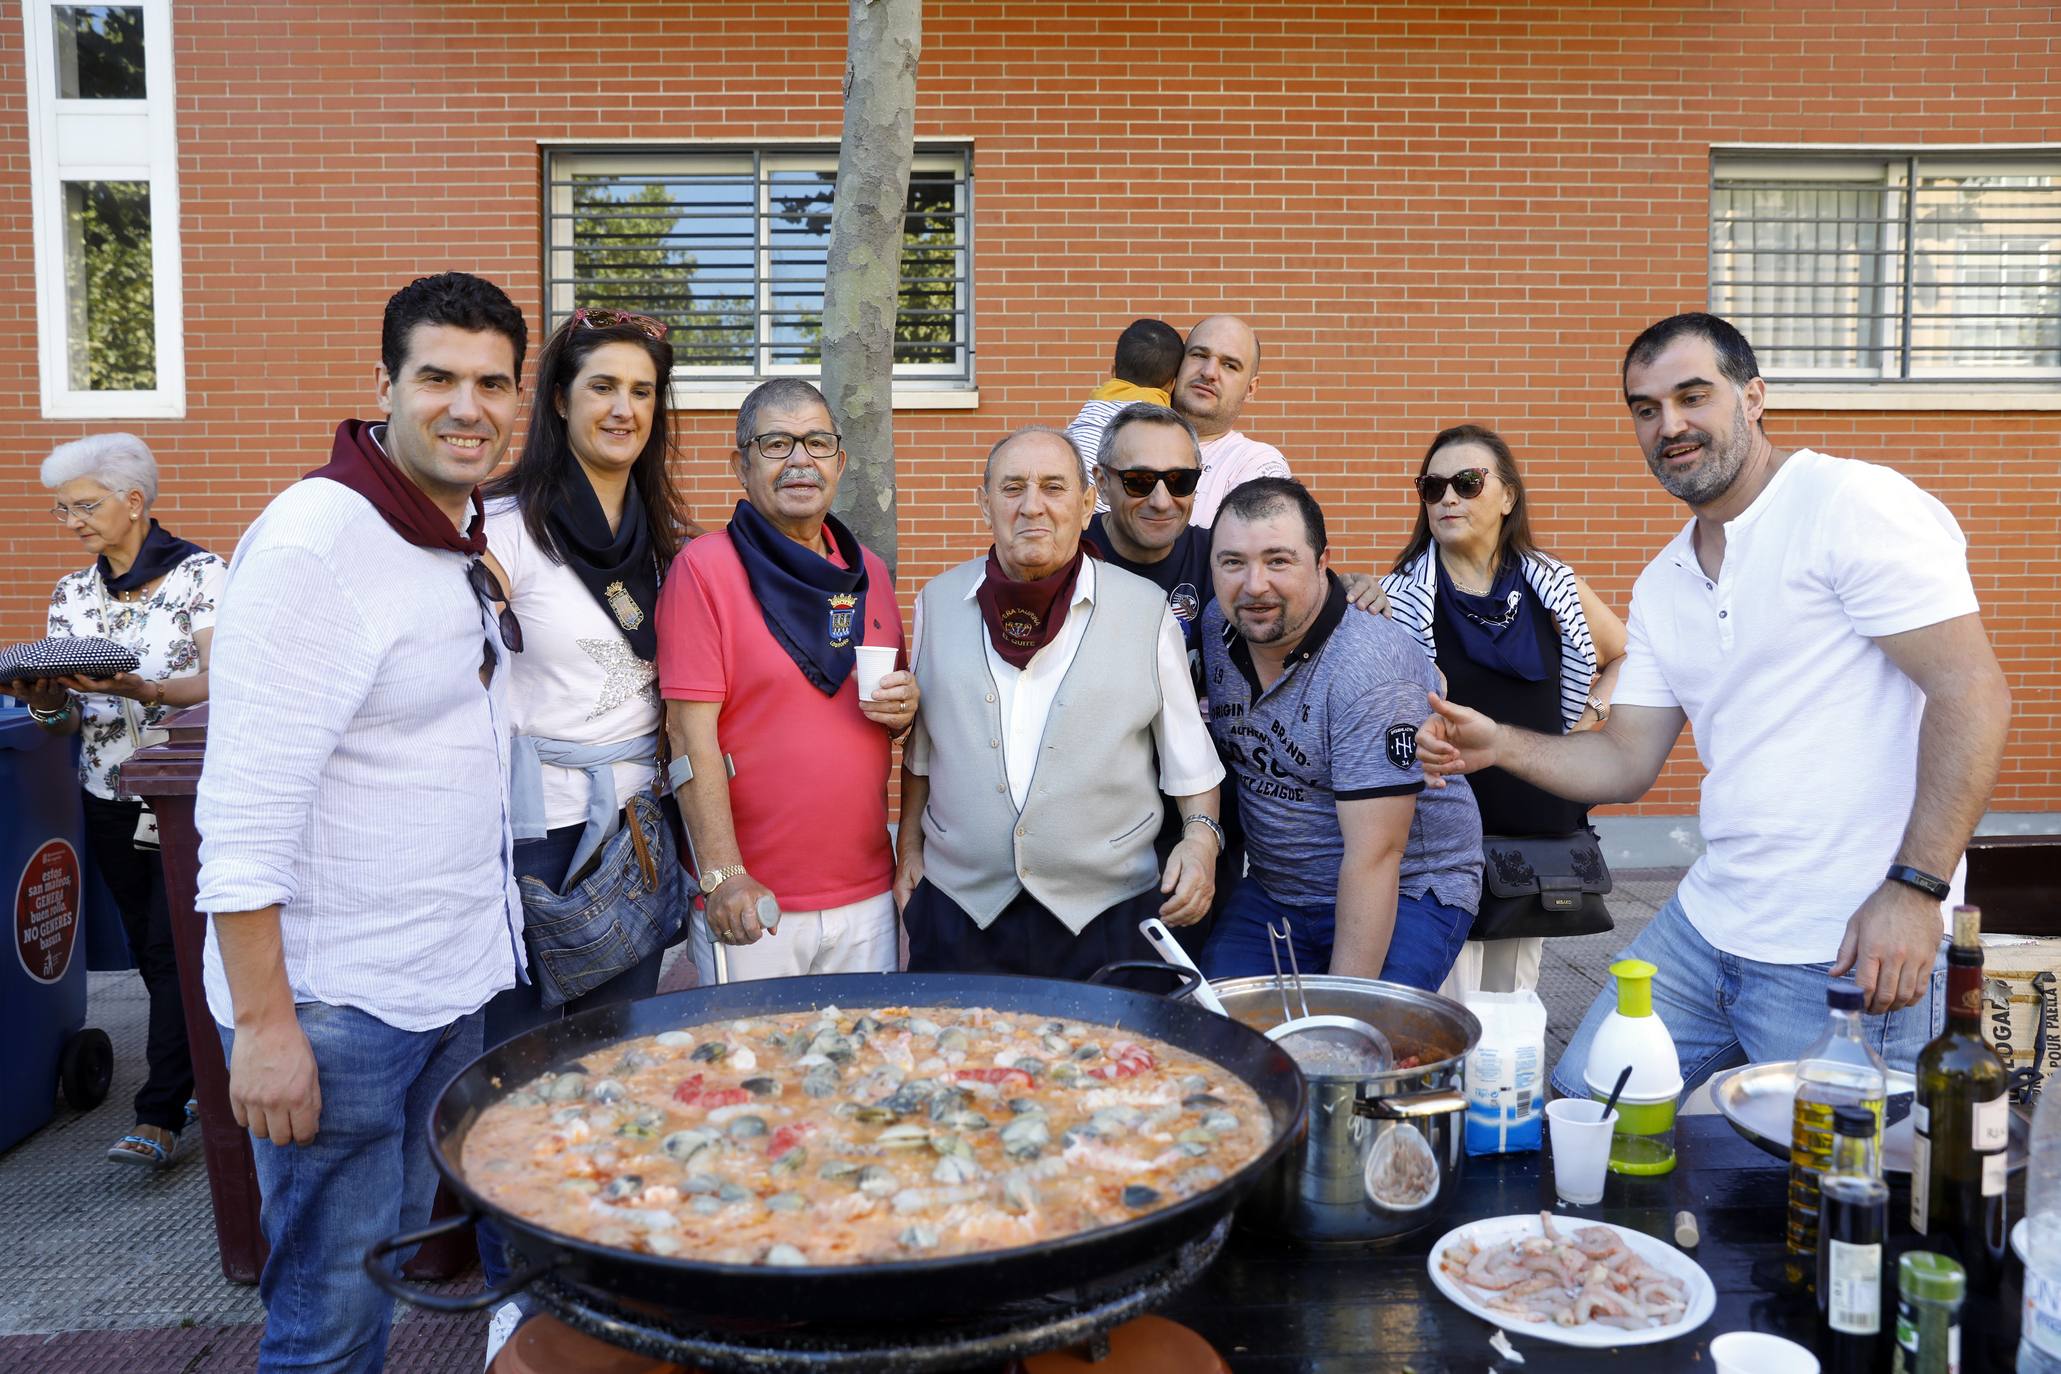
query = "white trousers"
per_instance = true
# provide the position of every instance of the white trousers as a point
(859, 937)
(1495, 966)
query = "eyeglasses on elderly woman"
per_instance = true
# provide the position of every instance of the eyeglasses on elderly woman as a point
(1468, 482)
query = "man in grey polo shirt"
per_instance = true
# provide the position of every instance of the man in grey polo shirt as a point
(1316, 714)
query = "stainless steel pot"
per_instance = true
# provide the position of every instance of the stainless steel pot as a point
(1322, 1190)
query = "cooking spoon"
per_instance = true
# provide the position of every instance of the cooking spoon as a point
(1162, 940)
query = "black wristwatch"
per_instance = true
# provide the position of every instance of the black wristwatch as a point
(1931, 885)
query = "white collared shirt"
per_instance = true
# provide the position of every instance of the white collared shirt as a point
(1188, 762)
(357, 771)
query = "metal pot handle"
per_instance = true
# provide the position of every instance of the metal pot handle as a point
(1188, 978)
(395, 1286)
(1415, 1104)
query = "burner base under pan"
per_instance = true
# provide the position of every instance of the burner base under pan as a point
(640, 1340)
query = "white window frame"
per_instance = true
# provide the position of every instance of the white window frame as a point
(2029, 388)
(916, 386)
(105, 140)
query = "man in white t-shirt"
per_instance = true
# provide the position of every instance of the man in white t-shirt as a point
(1815, 623)
(1217, 372)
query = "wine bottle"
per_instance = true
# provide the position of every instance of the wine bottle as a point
(1853, 1221)
(1962, 1124)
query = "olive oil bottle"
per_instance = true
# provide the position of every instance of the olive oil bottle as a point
(1962, 1124)
(1840, 1070)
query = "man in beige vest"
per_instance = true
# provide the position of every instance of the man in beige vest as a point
(1057, 713)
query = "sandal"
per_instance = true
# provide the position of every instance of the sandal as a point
(150, 1147)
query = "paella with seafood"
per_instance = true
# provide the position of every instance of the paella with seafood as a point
(850, 1137)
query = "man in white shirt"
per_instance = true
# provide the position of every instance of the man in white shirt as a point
(355, 842)
(1057, 714)
(1218, 371)
(1814, 622)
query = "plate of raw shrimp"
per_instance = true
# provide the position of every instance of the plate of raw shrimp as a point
(1576, 1282)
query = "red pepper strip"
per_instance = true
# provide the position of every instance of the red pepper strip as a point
(785, 1139)
(724, 1097)
(688, 1091)
(994, 1075)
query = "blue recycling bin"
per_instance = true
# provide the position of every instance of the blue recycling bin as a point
(43, 982)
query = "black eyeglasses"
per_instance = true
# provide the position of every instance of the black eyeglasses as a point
(818, 443)
(1141, 481)
(487, 588)
(1467, 481)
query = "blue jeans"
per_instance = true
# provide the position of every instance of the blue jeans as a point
(1723, 1010)
(1427, 939)
(513, 1011)
(365, 1176)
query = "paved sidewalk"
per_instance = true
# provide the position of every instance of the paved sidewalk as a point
(108, 1270)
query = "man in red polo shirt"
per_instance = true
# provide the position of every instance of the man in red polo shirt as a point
(757, 628)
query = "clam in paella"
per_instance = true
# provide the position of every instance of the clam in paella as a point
(840, 1137)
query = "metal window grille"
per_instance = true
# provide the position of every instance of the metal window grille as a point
(729, 249)
(1890, 266)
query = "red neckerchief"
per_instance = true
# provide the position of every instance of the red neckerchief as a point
(356, 461)
(1023, 617)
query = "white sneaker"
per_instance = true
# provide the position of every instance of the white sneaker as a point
(500, 1327)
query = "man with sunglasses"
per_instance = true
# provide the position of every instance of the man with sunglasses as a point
(759, 628)
(355, 857)
(1815, 625)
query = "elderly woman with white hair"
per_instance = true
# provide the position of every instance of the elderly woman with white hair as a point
(154, 594)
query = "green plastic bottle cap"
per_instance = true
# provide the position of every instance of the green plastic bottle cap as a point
(1634, 986)
(1933, 1278)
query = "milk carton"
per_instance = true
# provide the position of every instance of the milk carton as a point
(1506, 1073)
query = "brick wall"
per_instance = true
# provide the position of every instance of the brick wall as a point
(1431, 213)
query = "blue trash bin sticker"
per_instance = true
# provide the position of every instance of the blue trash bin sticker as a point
(46, 912)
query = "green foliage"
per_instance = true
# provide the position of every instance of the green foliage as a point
(107, 261)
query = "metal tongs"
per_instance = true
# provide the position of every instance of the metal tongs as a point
(1352, 1037)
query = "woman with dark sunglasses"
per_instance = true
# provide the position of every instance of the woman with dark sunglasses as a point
(1516, 632)
(578, 531)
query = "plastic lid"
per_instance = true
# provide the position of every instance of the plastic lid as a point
(1853, 1121)
(1634, 986)
(1843, 996)
(1935, 1278)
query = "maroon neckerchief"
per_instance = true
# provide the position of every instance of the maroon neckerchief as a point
(1023, 617)
(356, 461)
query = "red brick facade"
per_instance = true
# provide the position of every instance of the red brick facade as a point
(1432, 213)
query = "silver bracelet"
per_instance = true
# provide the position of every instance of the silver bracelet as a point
(1211, 823)
(57, 717)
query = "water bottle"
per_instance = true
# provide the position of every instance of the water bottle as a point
(2039, 1345)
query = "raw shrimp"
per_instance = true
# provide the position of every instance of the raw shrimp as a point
(1589, 1276)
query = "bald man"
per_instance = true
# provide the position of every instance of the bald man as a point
(1057, 715)
(1217, 374)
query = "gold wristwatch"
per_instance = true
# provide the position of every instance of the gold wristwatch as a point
(716, 877)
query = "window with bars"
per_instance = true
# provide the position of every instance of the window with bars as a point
(729, 249)
(104, 186)
(1890, 266)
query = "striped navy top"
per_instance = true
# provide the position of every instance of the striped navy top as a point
(1412, 597)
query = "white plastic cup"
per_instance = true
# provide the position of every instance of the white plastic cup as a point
(1756, 1352)
(876, 661)
(1581, 1148)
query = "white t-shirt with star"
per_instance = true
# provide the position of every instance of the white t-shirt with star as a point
(576, 678)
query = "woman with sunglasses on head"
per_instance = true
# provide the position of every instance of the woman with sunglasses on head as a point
(578, 531)
(1512, 631)
(154, 594)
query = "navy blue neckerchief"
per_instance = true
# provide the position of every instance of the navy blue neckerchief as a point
(815, 609)
(616, 566)
(161, 552)
(1493, 629)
